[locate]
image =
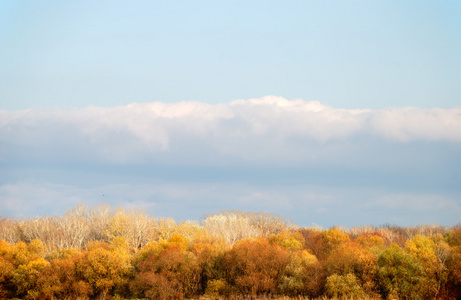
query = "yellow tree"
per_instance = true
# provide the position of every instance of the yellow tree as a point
(22, 265)
(103, 266)
(351, 258)
(292, 241)
(423, 249)
(331, 239)
(26, 278)
(371, 241)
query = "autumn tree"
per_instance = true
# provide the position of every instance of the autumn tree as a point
(103, 266)
(62, 279)
(26, 278)
(254, 266)
(303, 275)
(344, 286)
(431, 256)
(7, 266)
(331, 239)
(351, 258)
(399, 273)
(21, 266)
(373, 242)
(313, 239)
(99, 253)
(171, 270)
(210, 251)
(290, 240)
(452, 290)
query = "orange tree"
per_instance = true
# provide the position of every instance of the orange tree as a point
(6, 270)
(210, 251)
(351, 258)
(254, 266)
(167, 269)
(62, 280)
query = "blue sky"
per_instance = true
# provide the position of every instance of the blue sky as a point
(328, 112)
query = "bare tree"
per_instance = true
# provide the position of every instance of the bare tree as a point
(99, 217)
(268, 223)
(75, 227)
(165, 228)
(134, 225)
(9, 230)
(70, 231)
(231, 226)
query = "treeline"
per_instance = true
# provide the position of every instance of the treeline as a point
(100, 253)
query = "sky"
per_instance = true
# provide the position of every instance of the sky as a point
(335, 113)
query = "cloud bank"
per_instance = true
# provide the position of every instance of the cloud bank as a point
(268, 129)
(310, 162)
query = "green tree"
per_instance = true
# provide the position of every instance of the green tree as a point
(339, 286)
(399, 273)
(302, 276)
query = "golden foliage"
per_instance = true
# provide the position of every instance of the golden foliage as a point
(101, 253)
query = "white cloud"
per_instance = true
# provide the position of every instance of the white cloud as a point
(411, 123)
(269, 129)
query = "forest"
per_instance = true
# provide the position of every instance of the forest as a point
(104, 253)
